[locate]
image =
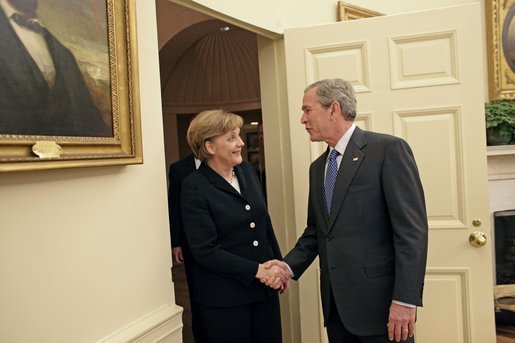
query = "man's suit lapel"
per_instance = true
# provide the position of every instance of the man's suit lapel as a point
(189, 166)
(351, 161)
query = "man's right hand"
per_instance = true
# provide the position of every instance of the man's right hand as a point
(283, 274)
(177, 255)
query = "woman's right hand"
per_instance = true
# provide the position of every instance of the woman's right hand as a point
(272, 277)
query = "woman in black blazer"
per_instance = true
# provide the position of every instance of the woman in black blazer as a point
(230, 235)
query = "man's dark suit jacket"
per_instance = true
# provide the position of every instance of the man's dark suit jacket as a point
(229, 234)
(178, 172)
(373, 247)
(29, 107)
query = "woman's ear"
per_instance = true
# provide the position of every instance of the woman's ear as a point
(209, 147)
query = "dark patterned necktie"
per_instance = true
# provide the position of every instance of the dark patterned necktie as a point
(330, 179)
(29, 23)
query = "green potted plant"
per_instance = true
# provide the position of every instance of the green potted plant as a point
(500, 122)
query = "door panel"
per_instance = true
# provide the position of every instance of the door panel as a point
(423, 60)
(417, 76)
(452, 323)
(350, 58)
(442, 166)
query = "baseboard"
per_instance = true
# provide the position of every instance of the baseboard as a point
(164, 325)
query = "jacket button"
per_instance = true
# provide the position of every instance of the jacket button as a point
(252, 225)
(247, 207)
(255, 243)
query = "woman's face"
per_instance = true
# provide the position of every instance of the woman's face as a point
(226, 149)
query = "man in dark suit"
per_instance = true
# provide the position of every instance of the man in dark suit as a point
(42, 90)
(178, 172)
(366, 221)
(181, 253)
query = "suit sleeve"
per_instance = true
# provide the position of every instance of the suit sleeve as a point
(174, 208)
(306, 249)
(404, 197)
(202, 238)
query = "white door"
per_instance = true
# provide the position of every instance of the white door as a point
(417, 76)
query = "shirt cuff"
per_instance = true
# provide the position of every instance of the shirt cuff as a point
(403, 304)
(289, 269)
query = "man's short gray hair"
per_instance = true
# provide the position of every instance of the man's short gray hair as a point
(339, 90)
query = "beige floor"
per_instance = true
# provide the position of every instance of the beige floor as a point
(505, 334)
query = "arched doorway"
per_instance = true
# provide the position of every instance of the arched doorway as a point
(205, 63)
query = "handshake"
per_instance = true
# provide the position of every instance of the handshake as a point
(274, 274)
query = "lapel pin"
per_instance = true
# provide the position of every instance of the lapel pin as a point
(354, 159)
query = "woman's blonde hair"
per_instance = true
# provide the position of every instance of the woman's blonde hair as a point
(207, 125)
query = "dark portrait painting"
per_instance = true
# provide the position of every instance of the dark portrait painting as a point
(54, 68)
(508, 38)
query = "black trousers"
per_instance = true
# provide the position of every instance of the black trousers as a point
(258, 322)
(338, 333)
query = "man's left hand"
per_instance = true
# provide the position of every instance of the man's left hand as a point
(401, 322)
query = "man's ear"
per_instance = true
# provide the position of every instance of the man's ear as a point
(335, 107)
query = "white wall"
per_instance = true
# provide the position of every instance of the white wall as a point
(85, 252)
(275, 15)
(502, 195)
(402, 6)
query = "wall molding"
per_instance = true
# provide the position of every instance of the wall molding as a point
(163, 325)
(501, 162)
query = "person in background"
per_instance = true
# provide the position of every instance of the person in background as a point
(230, 235)
(366, 222)
(181, 253)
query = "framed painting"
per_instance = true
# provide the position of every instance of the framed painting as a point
(500, 26)
(352, 12)
(69, 94)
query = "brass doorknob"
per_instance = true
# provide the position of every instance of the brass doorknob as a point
(477, 239)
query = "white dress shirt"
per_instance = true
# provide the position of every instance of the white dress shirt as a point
(35, 44)
(341, 146)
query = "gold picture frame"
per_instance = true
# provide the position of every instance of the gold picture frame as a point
(500, 16)
(352, 12)
(121, 142)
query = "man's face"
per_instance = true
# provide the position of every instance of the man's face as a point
(28, 7)
(315, 117)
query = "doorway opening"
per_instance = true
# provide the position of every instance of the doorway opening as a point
(205, 63)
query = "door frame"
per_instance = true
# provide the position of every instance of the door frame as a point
(275, 115)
